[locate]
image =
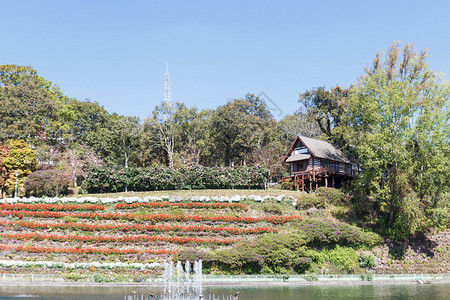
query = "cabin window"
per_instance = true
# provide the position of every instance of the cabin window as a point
(299, 166)
(299, 146)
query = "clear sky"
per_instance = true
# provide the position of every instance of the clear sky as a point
(114, 52)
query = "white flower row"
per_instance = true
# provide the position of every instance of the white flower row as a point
(62, 265)
(146, 199)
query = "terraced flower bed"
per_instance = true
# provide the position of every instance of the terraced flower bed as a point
(138, 227)
(130, 234)
(51, 207)
(151, 218)
(182, 205)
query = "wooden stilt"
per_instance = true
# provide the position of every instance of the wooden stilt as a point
(326, 181)
(332, 181)
(303, 182)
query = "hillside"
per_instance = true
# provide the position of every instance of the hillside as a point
(235, 232)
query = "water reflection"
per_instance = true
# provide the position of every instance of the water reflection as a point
(367, 292)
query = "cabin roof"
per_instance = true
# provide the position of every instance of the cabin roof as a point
(319, 149)
(297, 157)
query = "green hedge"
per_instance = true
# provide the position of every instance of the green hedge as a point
(106, 179)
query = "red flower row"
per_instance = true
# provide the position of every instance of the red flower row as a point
(51, 207)
(113, 239)
(151, 218)
(183, 205)
(138, 227)
(105, 251)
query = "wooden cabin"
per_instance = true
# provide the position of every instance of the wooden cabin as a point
(314, 163)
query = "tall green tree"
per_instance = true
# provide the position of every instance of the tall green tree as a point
(194, 134)
(398, 120)
(327, 108)
(32, 108)
(118, 139)
(238, 127)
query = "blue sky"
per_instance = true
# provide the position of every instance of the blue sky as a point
(114, 52)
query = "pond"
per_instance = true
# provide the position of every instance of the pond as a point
(367, 292)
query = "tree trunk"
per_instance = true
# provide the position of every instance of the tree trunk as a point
(227, 155)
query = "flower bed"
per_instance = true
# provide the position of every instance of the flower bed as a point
(138, 227)
(151, 218)
(113, 239)
(105, 251)
(51, 207)
(182, 205)
(62, 265)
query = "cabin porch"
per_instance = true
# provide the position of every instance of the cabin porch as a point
(311, 179)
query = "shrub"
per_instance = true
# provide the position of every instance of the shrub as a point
(50, 182)
(287, 185)
(306, 201)
(311, 277)
(191, 255)
(367, 276)
(271, 253)
(322, 232)
(100, 278)
(271, 208)
(331, 195)
(344, 258)
(366, 261)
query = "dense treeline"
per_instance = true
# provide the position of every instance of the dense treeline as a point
(77, 135)
(394, 122)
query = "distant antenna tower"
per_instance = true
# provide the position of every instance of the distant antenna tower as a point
(167, 86)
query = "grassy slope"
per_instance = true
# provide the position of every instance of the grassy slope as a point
(436, 253)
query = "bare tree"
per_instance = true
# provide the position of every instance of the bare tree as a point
(165, 115)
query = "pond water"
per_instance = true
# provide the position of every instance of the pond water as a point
(366, 292)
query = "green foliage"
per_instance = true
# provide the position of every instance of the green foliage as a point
(366, 261)
(327, 108)
(21, 159)
(306, 201)
(100, 278)
(272, 208)
(69, 219)
(367, 277)
(74, 276)
(438, 217)
(397, 120)
(27, 107)
(345, 259)
(311, 277)
(189, 254)
(332, 196)
(322, 233)
(397, 252)
(287, 184)
(104, 179)
(271, 253)
(239, 126)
